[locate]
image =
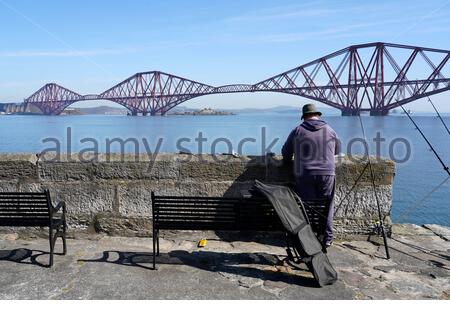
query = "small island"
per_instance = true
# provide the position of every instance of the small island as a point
(202, 112)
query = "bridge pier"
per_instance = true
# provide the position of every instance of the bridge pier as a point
(377, 113)
(350, 112)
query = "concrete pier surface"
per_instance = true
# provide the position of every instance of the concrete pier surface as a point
(231, 266)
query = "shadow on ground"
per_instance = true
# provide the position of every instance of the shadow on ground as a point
(417, 255)
(238, 264)
(25, 256)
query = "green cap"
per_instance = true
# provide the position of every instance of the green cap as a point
(310, 108)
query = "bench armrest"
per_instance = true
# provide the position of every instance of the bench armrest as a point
(57, 208)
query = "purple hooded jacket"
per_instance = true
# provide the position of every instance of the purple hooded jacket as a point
(313, 144)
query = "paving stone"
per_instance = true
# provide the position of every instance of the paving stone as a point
(385, 269)
(410, 287)
(441, 231)
(9, 236)
(408, 229)
(275, 285)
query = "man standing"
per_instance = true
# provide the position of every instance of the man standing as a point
(314, 144)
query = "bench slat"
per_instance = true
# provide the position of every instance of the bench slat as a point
(19, 201)
(24, 216)
(196, 204)
(17, 222)
(223, 227)
(198, 216)
(21, 209)
(25, 210)
(181, 219)
(23, 203)
(197, 211)
(201, 198)
(22, 196)
(23, 193)
(199, 226)
(23, 213)
(26, 223)
(195, 214)
(31, 216)
(5, 196)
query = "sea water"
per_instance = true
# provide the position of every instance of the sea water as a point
(417, 197)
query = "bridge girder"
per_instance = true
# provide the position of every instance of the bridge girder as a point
(52, 99)
(374, 76)
(154, 92)
(367, 77)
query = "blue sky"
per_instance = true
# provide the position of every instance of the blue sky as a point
(88, 46)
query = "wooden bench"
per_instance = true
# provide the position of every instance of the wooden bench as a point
(34, 210)
(224, 214)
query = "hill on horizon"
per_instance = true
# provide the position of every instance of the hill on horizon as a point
(117, 110)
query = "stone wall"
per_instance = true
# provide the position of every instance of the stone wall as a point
(111, 194)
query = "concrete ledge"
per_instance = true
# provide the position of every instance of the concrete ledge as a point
(111, 193)
(18, 166)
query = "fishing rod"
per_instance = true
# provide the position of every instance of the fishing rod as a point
(407, 212)
(439, 115)
(379, 227)
(428, 142)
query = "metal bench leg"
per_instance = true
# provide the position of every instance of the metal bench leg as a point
(63, 237)
(157, 243)
(154, 253)
(154, 248)
(52, 246)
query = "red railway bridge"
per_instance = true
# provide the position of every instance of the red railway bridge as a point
(375, 77)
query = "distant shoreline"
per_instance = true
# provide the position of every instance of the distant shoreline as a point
(187, 111)
(202, 112)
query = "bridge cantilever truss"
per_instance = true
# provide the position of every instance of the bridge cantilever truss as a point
(367, 77)
(53, 99)
(155, 92)
(373, 77)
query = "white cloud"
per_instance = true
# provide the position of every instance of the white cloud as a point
(65, 53)
(312, 9)
(251, 18)
(371, 28)
(293, 37)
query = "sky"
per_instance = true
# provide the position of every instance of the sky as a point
(89, 46)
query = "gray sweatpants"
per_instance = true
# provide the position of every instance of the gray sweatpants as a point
(316, 187)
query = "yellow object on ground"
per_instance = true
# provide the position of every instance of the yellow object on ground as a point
(202, 243)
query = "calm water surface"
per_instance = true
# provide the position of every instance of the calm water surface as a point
(414, 179)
